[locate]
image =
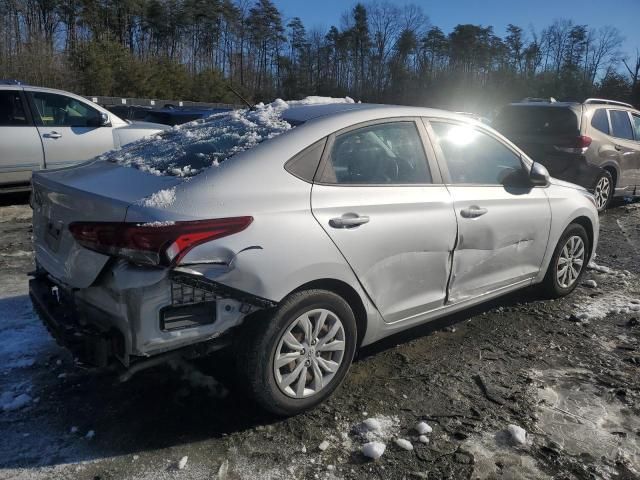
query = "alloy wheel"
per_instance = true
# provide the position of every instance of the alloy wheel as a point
(309, 353)
(603, 190)
(570, 262)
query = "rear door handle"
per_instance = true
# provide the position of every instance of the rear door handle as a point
(618, 148)
(348, 220)
(473, 212)
(52, 135)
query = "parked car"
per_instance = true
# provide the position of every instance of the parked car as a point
(42, 128)
(179, 115)
(296, 245)
(595, 144)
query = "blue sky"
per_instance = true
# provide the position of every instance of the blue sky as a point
(624, 14)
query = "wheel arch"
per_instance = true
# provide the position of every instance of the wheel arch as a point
(613, 171)
(348, 293)
(587, 224)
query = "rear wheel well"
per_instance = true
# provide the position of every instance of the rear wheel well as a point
(588, 226)
(347, 292)
(614, 174)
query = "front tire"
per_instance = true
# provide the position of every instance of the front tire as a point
(568, 263)
(604, 191)
(294, 359)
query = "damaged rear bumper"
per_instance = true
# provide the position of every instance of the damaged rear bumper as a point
(179, 314)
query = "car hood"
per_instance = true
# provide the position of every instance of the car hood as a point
(139, 125)
(562, 183)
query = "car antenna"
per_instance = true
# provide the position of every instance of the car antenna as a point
(244, 100)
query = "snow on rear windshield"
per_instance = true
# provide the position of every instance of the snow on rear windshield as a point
(187, 149)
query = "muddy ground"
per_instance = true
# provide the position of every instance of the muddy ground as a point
(565, 371)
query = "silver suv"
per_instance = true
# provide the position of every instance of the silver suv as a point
(595, 144)
(41, 128)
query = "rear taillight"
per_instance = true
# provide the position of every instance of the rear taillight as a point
(577, 144)
(159, 243)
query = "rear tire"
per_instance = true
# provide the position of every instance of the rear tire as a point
(285, 359)
(604, 191)
(568, 263)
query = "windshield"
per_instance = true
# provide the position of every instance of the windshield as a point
(536, 120)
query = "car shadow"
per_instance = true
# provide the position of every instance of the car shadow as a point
(159, 408)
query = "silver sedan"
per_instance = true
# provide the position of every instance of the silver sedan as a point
(296, 233)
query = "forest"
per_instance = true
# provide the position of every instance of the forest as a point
(376, 51)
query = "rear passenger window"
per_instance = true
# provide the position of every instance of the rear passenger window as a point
(387, 153)
(473, 157)
(636, 125)
(620, 124)
(600, 121)
(11, 109)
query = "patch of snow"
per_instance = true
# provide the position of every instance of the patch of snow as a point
(380, 427)
(73, 430)
(323, 446)
(403, 444)
(183, 463)
(518, 434)
(90, 434)
(168, 223)
(9, 403)
(423, 439)
(373, 450)
(494, 457)
(423, 428)
(590, 283)
(160, 199)
(578, 414)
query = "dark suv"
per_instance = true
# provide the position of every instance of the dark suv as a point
(595, 144)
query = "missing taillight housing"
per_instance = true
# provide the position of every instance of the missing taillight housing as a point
(155, 243)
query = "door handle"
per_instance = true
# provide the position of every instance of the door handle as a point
(52, 135)
(473, 212)
(348, 220)
(618, 148)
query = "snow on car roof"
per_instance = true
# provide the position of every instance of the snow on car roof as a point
(186, 150)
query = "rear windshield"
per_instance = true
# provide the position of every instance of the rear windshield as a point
(186, 150)
(532, 120)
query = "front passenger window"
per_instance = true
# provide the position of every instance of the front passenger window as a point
(53, 110)
(387, 153)
(473, 157)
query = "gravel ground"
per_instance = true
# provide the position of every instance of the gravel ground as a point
(565, 371)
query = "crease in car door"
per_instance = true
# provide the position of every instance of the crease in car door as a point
(375, 199)
(502, 230)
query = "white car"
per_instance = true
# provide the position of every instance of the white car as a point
(294, 234)
(41, 128)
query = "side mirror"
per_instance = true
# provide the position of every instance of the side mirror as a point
(102, 120)
(538, 175)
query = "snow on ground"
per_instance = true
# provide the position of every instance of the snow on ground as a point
(580, 417)
(379, 428)
(621, 300)
(495, 457)
(186, 150)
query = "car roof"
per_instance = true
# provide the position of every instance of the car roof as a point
(298, 114)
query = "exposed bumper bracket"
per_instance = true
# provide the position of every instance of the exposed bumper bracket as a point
(219, 290)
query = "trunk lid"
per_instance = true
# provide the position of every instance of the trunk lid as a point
(95, 191)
